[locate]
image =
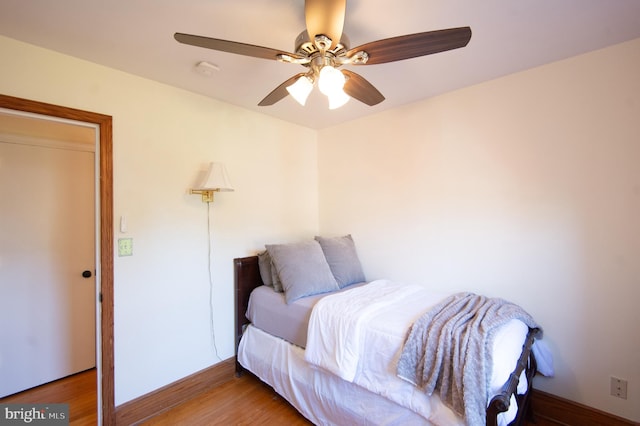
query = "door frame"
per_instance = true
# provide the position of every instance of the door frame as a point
(104, 123)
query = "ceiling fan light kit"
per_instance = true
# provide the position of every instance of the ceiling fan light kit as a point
(323, 48)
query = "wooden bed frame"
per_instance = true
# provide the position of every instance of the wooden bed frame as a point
(247, 277)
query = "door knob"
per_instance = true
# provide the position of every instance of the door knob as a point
(86, 274)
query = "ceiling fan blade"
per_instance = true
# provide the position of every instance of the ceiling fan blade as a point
(413, 45)
(325, 17)
(279, 92)
(359, 88)
(232, 47)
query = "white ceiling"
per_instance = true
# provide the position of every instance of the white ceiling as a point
(136, 36)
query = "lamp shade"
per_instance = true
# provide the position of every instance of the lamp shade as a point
(216, 179)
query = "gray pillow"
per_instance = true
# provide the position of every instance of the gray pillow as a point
(268, 272)
(302, 268)
(275, 279)
(343, 260)
(264, 263)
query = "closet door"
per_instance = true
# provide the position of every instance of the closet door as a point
(47, 264)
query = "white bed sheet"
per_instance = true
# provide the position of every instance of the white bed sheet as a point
(282, 366)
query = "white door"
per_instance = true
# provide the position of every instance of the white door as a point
(47, 241)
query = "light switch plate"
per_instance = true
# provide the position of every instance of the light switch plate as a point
(125, 246)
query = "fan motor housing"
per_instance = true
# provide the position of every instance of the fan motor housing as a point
(304, 46)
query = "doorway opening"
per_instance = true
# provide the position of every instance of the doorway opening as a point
(104, 233)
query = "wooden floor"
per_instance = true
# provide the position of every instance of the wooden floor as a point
(79, 391)
(242, 401)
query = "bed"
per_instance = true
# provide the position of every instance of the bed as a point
(279, 356)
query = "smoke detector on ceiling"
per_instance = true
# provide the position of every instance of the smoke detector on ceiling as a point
(207, 68)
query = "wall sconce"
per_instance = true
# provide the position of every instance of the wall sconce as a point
(216, 180)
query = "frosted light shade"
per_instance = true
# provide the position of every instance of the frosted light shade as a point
(300, 89)
(337, 99)
(331, 80)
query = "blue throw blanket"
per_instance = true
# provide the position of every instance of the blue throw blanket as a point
(449, 350)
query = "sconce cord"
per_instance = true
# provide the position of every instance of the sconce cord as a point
(209, 253)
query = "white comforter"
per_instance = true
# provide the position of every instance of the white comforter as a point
(358, 335)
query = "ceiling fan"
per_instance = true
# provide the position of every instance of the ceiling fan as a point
(323, 48)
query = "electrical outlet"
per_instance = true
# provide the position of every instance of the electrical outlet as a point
(125, 246)
(618, 387)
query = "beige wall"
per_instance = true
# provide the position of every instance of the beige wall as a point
(526, 187)
(162, 137)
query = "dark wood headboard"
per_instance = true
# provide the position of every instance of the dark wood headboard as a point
(246, 275)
